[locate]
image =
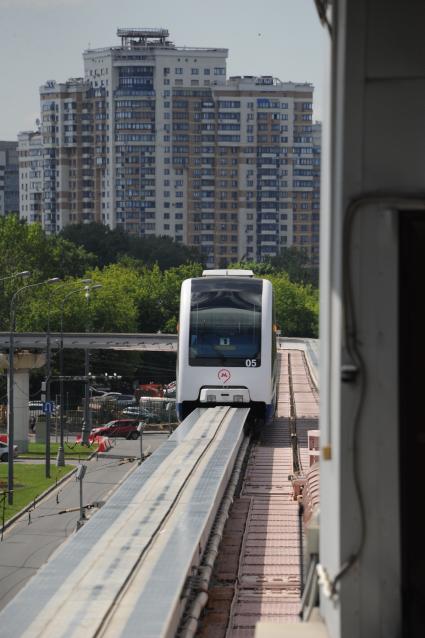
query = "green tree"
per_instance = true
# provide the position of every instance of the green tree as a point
(112, 308)
(259, 268)
(27, 247)
(160, 296)
(133, 298)
(163, 251)
(108, 245)
(112, 245)
(295, 261)
(297, 307)
(296, 301)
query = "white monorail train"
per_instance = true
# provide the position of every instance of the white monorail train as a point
(227, 343)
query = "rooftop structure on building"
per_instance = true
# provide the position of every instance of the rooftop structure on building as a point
(134, 38)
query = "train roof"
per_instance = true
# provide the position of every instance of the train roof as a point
(228, 273)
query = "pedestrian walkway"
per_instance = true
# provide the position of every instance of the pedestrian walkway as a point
(31, 540)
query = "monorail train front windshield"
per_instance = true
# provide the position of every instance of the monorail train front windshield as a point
(225, 322)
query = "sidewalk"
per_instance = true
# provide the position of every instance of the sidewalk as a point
(31, 540)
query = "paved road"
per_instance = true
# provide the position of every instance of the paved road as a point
(27, 546)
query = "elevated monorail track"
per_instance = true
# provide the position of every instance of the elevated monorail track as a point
(124, 571)
(145, 565)
(258, 574)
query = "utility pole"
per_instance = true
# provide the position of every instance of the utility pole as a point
(11, 380)
(10, 421)
(60, 459)
(85, 431)
(48, 374)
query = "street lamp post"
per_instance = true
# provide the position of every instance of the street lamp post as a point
(48, 375)
(11, 416)
(85, 431)
(60, 460)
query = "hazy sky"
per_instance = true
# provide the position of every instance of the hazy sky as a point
(44, 40)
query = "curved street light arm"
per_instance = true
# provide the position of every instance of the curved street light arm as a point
(23, 273)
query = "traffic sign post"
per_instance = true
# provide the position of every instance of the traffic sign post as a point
(48, 407)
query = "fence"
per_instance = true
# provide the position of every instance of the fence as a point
(151, 411)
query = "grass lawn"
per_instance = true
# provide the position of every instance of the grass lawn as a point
(73, 451)
(29, 482)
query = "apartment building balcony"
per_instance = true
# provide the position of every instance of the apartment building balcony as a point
(49, 216)
(266, 165)
(267, 177)
(123, 92)
(266, 199)
(268, 211)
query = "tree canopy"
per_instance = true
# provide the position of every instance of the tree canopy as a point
(27, 247)
(111, 245)
(292, 260)
(135, 294)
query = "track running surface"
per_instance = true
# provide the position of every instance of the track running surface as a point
(123, 572)
(257, 573)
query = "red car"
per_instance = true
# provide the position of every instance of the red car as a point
(126, 428)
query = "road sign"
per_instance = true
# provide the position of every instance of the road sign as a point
(48, 407)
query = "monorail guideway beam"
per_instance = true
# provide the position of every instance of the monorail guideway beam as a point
(140, 547)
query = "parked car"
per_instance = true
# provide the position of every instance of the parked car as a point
(170, 390)
(163, 407)
(115, 399)
(126, 428)
(141, 413)
(4, 451)
(125, 399)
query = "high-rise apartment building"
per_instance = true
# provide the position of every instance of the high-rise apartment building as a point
(155, 139)
(31, 176)
(9, 178)
(315, 217)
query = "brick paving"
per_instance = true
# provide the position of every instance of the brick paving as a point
(257, 572)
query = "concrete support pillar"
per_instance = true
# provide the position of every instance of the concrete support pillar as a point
(24, 362)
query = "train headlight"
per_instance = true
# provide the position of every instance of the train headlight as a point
(238, 398)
